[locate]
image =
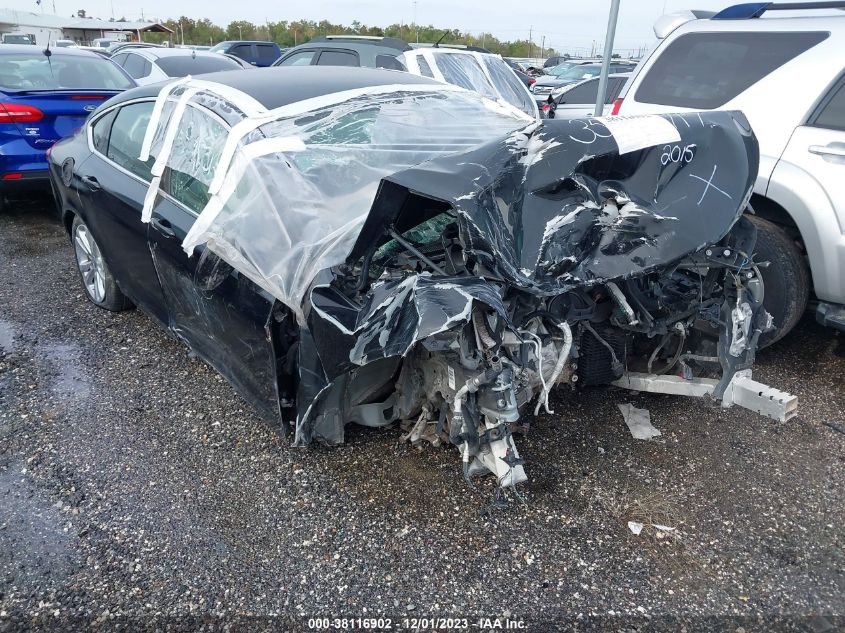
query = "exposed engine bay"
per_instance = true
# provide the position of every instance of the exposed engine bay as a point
(475, 280)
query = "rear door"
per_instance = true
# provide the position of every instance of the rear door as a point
(818, 147)
(266, 54)
(112, 185)
(581, 100)
(246, 52)
(299, 58)
(338, 57)
(139, 68)
(222, 316)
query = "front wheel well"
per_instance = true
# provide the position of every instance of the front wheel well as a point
(770, 210)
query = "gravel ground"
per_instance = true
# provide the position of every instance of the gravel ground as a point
(136, 488)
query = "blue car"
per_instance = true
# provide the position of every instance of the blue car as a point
(46, 96)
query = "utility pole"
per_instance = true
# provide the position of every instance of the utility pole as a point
(543, 47)
(530, 41)
(608, 53)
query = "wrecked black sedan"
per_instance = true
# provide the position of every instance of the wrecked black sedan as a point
(367, 246)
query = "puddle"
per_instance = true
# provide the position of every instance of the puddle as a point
(68, 377)
(7, 336)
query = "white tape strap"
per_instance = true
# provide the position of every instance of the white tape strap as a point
(149, 199)
(155, 117)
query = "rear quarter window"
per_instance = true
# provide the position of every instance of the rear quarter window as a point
(183, 65)
(706, 70)
(831, 113)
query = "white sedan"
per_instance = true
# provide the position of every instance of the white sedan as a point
(151, 65)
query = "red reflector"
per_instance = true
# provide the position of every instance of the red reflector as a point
(87, 97)
(546, 107)
(19, 113)
(15, 175)
(616, 105)
(531, 81)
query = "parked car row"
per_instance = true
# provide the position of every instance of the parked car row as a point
(694, 68)
(393, 235)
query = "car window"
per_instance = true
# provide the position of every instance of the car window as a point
(35, 71)
(614, 87)
(201, 137)
(184, 65)
(338, 58)
(584, 71)
(831, 115)
(300, 58)
(706, 70)
(585, 93)
(464, 71)
(100, 131)
(425, 69)
(119, 59)
(389, 62)
(244, 51)
(508, 84)
(558, 70)
(127, 136)
(267, 54)
(137, 66)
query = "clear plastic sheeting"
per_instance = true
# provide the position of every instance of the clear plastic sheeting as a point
(484, 73)
(292, 197)
(507, 83)
(464, 71)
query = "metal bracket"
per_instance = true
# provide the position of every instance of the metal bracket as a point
(742, 391)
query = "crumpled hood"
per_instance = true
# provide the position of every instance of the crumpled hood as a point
(533, 207)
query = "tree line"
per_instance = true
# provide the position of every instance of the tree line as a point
(285, 33)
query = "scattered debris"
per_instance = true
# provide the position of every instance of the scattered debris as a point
(638, 421)
(636, 527)
(836, 427)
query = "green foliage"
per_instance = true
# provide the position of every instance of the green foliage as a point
(295, 32)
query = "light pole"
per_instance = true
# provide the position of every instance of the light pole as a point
(608, 51)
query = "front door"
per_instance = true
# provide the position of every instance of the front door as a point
(223, 316)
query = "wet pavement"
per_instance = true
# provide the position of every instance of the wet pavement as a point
(137, 488)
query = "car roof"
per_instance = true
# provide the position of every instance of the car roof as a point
(773, 22)
(158, 53)
(387, 42)
(11, 49)
(245, 42)
(278, 86)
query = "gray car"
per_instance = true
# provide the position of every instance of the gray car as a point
(570, 72)
(347, 50)
(579, 99)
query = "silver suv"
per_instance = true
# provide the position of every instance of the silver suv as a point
(785, 72)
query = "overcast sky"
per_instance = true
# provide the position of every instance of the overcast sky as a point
(564, 24)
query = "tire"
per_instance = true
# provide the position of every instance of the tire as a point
(786, 279)
(97, 280)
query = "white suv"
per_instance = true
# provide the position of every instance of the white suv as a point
(786, 75)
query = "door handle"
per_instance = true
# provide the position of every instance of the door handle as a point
(827, 150)
(163, 226)
(92, 183)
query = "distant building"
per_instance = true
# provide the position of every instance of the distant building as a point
(82, 31)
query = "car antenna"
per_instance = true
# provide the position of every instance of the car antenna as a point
(47, 51)
(437, 43)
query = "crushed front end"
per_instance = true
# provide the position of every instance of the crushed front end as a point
(444, 264)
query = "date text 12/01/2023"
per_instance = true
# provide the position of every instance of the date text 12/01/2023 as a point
(416, 624)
